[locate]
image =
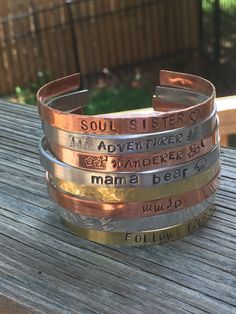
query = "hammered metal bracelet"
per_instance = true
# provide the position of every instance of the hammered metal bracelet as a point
(137, 194)
(132, 210)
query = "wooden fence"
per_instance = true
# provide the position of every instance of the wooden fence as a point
(88, 35)
(218, 40)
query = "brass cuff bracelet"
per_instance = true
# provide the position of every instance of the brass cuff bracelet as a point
(135, 162)
(137, 194)
(132, 210)
(156, 121)
(125, 179)
(150, 237)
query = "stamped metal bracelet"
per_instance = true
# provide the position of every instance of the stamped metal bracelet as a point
(150, 237)
(136, 224)
(75, 122)
(136, 194)
(132, 144)
(125, 179)
(135, 162)
(132, 210)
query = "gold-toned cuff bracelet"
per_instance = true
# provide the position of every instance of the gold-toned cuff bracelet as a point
(132, 210)
(142, 238)
(116, 195)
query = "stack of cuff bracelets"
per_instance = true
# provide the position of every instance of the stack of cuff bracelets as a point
(133, 178)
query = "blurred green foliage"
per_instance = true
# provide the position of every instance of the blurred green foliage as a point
(224, 4)
(28, 95)
(110, 97)
(118, 98)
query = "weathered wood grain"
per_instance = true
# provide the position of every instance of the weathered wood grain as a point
(46, 269)
(9, 306)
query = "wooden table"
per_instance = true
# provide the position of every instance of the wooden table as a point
(46, 269)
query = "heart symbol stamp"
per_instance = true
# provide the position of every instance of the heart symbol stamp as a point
(194, 115)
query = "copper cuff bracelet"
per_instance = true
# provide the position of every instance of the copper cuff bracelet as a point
(136, 224)
(136, 162)
(156, 121)
(132, 144)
